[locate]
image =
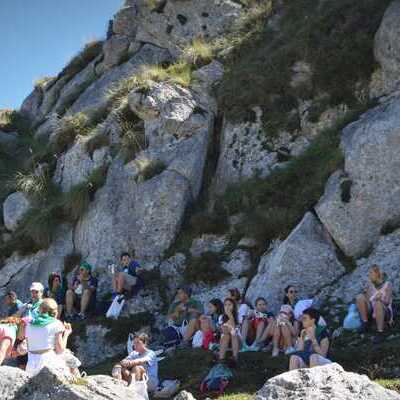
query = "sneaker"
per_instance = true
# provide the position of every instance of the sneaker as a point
(378, 338)
(363, 328)
(255, 347)
(290, 350)
(80, 317)
(245, 348)
(275, 352)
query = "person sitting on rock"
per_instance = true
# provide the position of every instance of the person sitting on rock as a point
(313, 343)
(215, 312)
(230, 331)
(184, 314)
(243, 307)
(82, 293)
(142, 361)
(31, 309)
(12, 303)
(47, 339)
(255, 325)
(376, 302)
(56, 291)
(125, 277)
(8, 335)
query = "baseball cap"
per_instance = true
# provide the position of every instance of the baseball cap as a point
(37, 286)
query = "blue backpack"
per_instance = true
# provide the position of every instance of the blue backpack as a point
(217, 379)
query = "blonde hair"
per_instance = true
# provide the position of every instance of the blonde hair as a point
(375, 268)
(49, 306)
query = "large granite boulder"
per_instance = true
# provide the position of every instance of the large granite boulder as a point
(14, 208)
(385, 254)
(330, 382)
(362, 200)
(94, 100)
(30, 106)
(16, 384)
(387, 46)
(115, 50)
(20, 271)
(174, 24)
(306, 259)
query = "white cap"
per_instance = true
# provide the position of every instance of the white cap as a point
(37, 286)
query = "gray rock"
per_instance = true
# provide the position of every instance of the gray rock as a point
(184, 395)
(387, 47)
(148, 300)
(172, 271)
(14, 208)
(93, 347)
(239, 262)
(126, 21)
(182, 21)
(329, 382)
(11, 381)
(208, 243)
(306, 259)
(115, 50)
(76, 164)
(30, 106)
(363, 200)
(386, 254)
(94, 100)
(247, 243)
(9, 142)
(20, 271)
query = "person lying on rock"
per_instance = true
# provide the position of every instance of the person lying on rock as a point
(82, 293)
(184, 314)
(125, 278)
(12, 303)
(142, 361)
(230, 329)
(56, 291)
(31, 309)
(47, 339)
(255, 324)
(376, 303)
(9, 329)
(313, 343)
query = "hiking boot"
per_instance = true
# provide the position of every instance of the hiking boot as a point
(364, 327)
(378, 338)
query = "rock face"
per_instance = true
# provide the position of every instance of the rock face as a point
(208, 243)
(362, 200)
(306, 259)
(330, 382)
(387, 47)
(15, 384)
(14, 208)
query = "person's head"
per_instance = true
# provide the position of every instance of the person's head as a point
(183, 294)
(140, 342)
(230, 307)
(125, 259)
(375, 274)
(310, 317)
(234, 294)
(10, 298)
(54, 280)
(261, 305)
(49, 306)
(36, 290)
(290, 295)
(215, 306)
(85, 269)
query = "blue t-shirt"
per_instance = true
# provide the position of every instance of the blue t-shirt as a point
(150, 363)
(15, 308)
(130, 269)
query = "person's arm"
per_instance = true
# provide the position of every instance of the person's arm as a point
(62, 338)
(4, 346)
(300, 342)
(136, 362)
(386, 295)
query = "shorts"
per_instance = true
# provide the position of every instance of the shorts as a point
(255, 322)
(129, 280)
(320, 360)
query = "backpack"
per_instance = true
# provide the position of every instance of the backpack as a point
(172, 336)
(217, 379)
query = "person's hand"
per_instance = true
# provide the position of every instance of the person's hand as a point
(67, 328)
(311, 333)
(125, 363)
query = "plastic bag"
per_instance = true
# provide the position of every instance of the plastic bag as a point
(168, 389)
(352, 320)
(140, 389)
(115, 309)
(197, 341)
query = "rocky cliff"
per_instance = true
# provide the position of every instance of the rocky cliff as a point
(229, 143)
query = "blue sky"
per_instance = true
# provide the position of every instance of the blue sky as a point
(38, 37)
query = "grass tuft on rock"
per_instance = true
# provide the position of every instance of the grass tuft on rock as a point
(96, 141)
(148, 169)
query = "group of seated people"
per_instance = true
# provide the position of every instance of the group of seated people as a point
(34, 334)
(234, 325)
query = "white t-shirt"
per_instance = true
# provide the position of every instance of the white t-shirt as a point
(43, 338)
(242, 312)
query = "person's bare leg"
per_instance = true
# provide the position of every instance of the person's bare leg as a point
(69, 301)
(114, 281)
(138, 373)
(362, 305)
(59, 310)
(294, 363)
(275, 340)
(269, 332)
(235, 346)
(380, 316)
(259, 332)
(245, 330)
(287, 337)
(4, 346)
(224, 342)
(192, 327)
(85, 300)
(120, 283)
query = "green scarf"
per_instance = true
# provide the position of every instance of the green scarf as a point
(43, 320)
